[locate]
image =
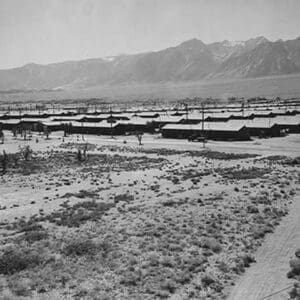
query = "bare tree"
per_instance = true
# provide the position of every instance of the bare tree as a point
(23, 132)
(65, 129)
(79, 155)
(139, 136)
(46, 132)
(15, 132)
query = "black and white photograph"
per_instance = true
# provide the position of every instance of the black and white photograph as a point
(149, 149)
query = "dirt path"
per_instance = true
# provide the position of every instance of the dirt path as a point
(268, 275)
(288, 145)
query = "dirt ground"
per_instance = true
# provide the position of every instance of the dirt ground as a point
(288, 145)
(268, 274)
(167, 219)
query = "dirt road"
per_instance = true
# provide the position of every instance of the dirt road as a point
(268, 274)
(288, 145)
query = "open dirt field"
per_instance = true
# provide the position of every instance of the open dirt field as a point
(165, 220)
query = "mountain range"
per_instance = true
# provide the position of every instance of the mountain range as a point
(192, 60)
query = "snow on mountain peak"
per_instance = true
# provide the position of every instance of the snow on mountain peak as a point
(235, 43)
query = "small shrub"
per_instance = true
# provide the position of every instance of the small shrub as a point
(261, 231)
(80, 247)
(35, 235)
(130, 278)
(196, 264)
(212, 244)
(281, 159)
(220, 155)
(223, 267)
(183, 278)
(81, 194)
(207, 280)
(26, 152)
(239, 267)
(295, 266)
(252, 209)
(16, 259)
(123, 197)
(167, 261)
(295, 292)
(247, 260)
(243, 173)
(29, 226)
(168, 285)
(21, 287)
(295, 274)
(169, 202)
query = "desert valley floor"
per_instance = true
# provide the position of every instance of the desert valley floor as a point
(165, 220)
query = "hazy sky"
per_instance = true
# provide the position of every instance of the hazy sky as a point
(45, 31)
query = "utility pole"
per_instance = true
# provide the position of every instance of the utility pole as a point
(186, 112)
(243, 108)
(82, 136)
(202, 106)
(111, 120)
